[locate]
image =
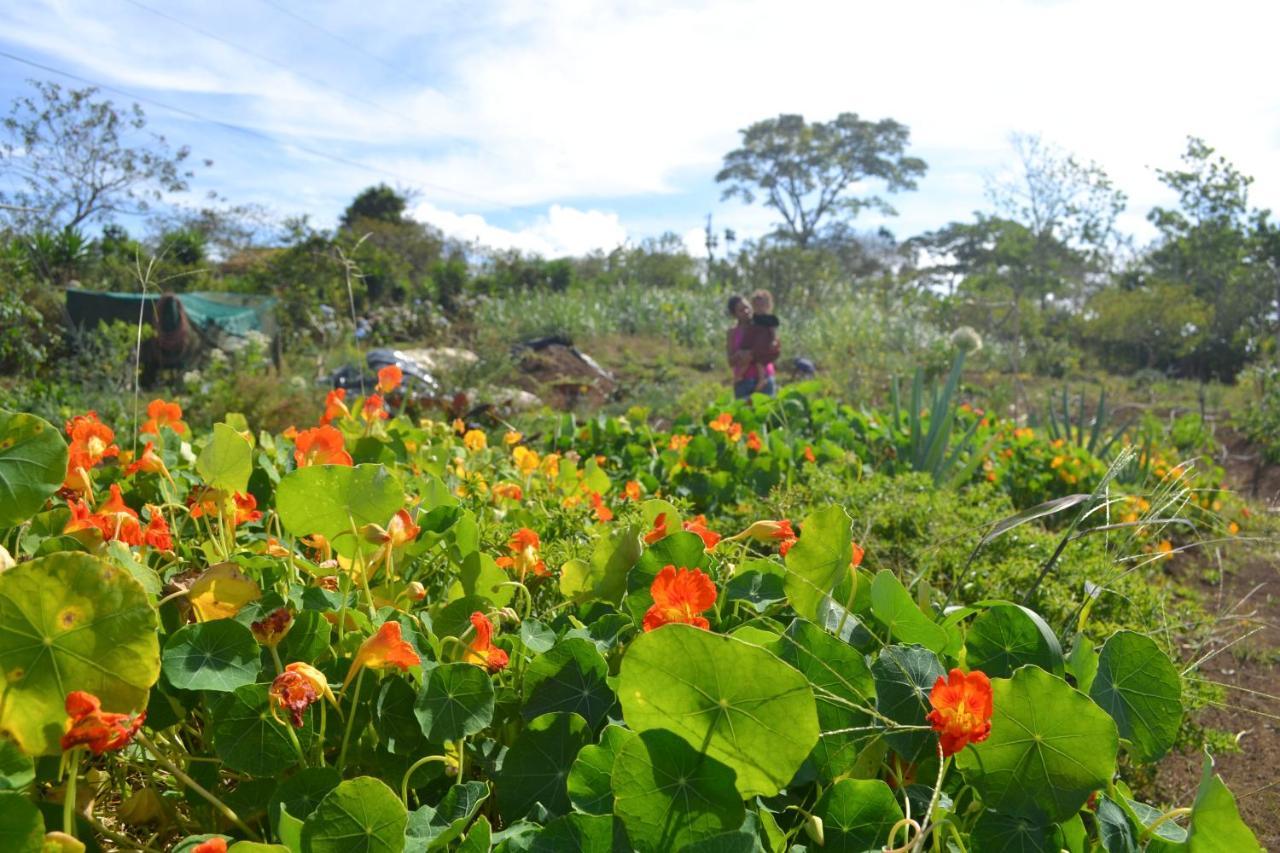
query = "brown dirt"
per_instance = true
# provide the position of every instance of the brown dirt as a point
(563, 380)
(1245, 598)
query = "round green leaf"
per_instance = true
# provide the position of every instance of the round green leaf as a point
(71, 622)
(361, 815)
(1050, 747)
(220, 656)
(667, 794)
(893, 605)
(817, 562)
(752, 712)
(576, 833)
(456, 700)
(1007, 832)
(1140, 688)
(335, 500)
(21, 824)
(904, 676)
(857, 815)
(17, 770)
(433, 827)
(482, 577)
(604, 577)
(307, 639)
(1005, 637)
(33, 464)
(570, 677)
(227, 460)
(536, 767)
(590, 777)
(395, 719)
(1216, 826)
(302, 792)
(248, 739)
(681, 549)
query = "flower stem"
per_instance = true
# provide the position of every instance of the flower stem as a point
(351, 720)
(69, 793)
(404, 785)
(222, 808)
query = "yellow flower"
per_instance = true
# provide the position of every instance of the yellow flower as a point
(1233, 528)
(475, 440)
(551, 465)
(1057, 461)
(512, 437)
(526, 460)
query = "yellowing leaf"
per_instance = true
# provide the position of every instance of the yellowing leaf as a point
(220, 592)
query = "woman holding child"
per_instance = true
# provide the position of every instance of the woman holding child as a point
(752, 345)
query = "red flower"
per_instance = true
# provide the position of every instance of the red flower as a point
(525, 557)
(162, 414)
(157, 534)
(372, 409)
(482, 651)
(148, 463)
(698, 525)
(89, 725)
(389, 379)
(246, 508)
(632, 490)
(808, 454)
(722, 423)
(334, 407)
(510, 491)
(680, 596)
(961, 709)
(659, 530)
(118, 520)
(323, 445)
(858, 554)
(753, 442)
(603, 513)
(384, 650)
(213, 845)
(91, 442)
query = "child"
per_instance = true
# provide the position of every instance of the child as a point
(762, 340)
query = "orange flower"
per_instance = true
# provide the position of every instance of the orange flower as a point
(680, 596)
(372, 409)
(323, 445)
(858, 554)
(808, 454)
(389, 379)
(297, 688)
(679, 442)
(524, 547)
(659, 530)
(475, 440)
(384, 650)
(162, 414)
(88, 725)
(768, 531)
(157, 534)
(510, 491)
(961, 709)
(334, 407)
(213, 845)
(118, 520)
(91, 442)
(753, 442)
(735, 432)
(246, 509)
(148, 463)
(482, 651)
(698, 525)
(272, 628)
(722, 423)
(632, 490)
(603, 513)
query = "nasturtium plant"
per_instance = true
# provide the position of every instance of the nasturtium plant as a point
(336, 501)
(857, 815)
(218, 656)
(33, 463)
(71, 622)
(1142, 691)
(535, 771)
(817, 562)
(732, 700)
(359, 814)
(1004, 637)
(227, 460)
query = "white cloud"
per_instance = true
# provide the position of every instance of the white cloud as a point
(562, 231)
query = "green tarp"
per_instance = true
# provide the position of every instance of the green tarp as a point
(211, 313)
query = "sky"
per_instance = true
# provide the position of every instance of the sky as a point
(565, 126)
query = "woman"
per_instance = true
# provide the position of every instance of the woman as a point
(746, 373)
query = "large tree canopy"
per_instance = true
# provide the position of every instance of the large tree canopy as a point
(66, 159)
(807, 171)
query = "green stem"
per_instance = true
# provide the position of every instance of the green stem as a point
(404, 785)
(324, 718)
(1167, 816)
(275, 658)
(297, 745)
(69, 793)
(222, 808)
(351, 720)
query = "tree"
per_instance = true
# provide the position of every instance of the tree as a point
(806, 171)
(65, 159)
(379, 203)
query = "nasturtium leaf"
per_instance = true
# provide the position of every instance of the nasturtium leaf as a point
(16, 769)
(248, 739)
(604, 576)
(479, 839)
(590, 777)
(758, 584)
(455, 700)
(681, 549)
(842, 685)
(893, 606)
(336, 501)
(307, 639)
(219, 656)
(433, 827)
(361, 815)
(302, 792)
(481, 576)
(33, 463)
(857, 815)
(576, 833)
(395, 718)
(221, 591)
(1050, 747)
(227, 460)
(668, 794)
(740, 703)
(817, 562)
(1004, 637)
(21, 824)
(1140, 688)
(1216, 826)
(256, 847)
(569, 677)
(1116, 832)
(1164, 836)
(536, 767)
(71, 622)
(1082, 663)
(289, 829)
(1015, 834)
(904, 676)
(654, 507)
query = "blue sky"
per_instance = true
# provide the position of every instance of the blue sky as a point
(568, 125)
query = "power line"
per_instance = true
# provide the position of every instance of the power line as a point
(248, 131)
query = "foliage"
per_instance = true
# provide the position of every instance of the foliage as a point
(380, 203)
